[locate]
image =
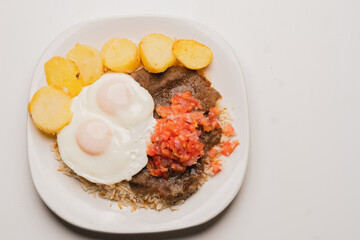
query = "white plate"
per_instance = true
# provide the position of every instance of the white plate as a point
(65, 197)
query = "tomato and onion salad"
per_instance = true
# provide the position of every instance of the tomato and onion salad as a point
(175, 142)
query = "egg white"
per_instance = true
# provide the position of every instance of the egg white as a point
(141, 108)
(126, 154)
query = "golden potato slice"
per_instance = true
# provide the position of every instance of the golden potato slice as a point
(156, 52)
(192, 54)
(63, 73)
(50, 109)
(121, 55)
(89, 62)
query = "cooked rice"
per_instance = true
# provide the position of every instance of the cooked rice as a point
(121, 192)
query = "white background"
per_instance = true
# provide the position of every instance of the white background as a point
(301, 63)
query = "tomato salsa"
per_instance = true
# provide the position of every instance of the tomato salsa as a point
(175, 143)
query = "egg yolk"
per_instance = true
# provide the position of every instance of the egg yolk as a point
(113, 96)
(93, 136)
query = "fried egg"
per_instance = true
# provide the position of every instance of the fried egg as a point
(107, 138)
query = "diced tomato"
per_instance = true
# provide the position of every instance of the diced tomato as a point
(166, 153)
(228, 130)
(158, 173)
(214, 123)
(185, 102)
(216, 166)
(175, 142)
(213, 152)
(214, 112)
(229, 147)
(164, 111)
(177, 167)
(151, 150)
(180, 103)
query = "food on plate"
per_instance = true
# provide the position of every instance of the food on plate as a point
(229, 147)
(216, 165)
(228, 130)
(121, 55)
(156, 52)
(147, 137)
(63, 73)
(178, 186)
(213, 153)
(106, 139)
(50, 109)
(89, 61)
(175, 143)
(192, 54)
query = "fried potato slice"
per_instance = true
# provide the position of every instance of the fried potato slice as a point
(89, 61)
(63, 73)
(50, 109)
(121, 55)
(156, 52)
(192, 54)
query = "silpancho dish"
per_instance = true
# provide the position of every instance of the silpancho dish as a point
(140, 125)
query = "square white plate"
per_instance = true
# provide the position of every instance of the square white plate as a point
(65, 197)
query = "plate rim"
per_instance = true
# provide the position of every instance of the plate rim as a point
(198, 222)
